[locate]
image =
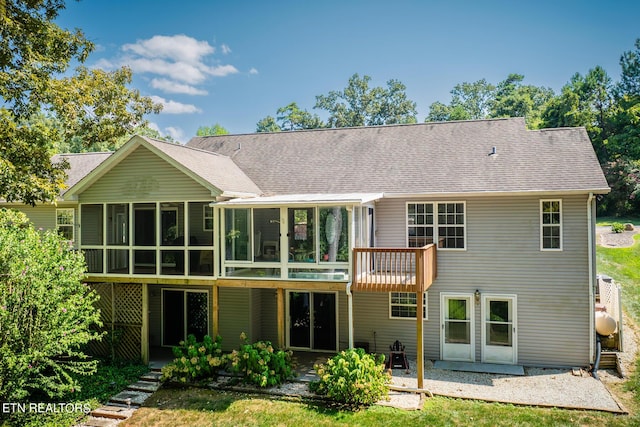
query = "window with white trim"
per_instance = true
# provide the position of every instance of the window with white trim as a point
(207, 218)
(65, 223)
(442, 223)
(402, 305)
(551, 225)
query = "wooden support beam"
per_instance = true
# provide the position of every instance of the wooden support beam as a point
(420, 278)
(280, 308)
(215, 312)
(144, 342)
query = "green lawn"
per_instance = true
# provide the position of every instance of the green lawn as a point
(202, 407)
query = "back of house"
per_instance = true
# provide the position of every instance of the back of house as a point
(323, 239)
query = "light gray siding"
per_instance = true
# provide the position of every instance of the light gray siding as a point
(502, 256)
(235, 316)
(144, 177)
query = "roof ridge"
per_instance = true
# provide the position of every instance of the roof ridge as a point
(186, 147)
(392, 125)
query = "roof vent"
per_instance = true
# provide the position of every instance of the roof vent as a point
(494, 151)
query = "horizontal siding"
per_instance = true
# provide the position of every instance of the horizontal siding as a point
(235, 316)
(503, 257)
(268, 316)
(143, 176)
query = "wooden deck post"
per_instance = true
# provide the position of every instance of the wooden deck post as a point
(280, 310)
(216, 311)
(144, 342)
(420, 279)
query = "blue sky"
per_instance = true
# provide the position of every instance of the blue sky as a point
(235, 62)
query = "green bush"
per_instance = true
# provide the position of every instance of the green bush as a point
(617, 227)
(46, 312)
(353, 377)
(195, 361)
(261, 364)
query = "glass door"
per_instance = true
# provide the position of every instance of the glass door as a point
(499, 329)
(184, 313)
(457, 328)
(312, 320)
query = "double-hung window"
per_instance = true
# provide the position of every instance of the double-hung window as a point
(551, 225)
(402, 305)
(436, 222)
(65, 223)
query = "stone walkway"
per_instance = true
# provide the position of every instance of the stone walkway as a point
(124, 404)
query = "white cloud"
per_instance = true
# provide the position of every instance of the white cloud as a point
(174, 107)
(253, 71)
(225, 49)
(175, 133)
(170, 86)
(180, 48)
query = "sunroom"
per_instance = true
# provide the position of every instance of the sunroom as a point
(294, 237)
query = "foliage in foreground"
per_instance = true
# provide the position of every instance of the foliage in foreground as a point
(194, 360)
(261, 364)
(46, 312)
(93, 390)
(353, 377)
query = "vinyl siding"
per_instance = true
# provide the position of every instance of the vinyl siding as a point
(235, 316)
(144, 177)
(44, 216)
(502, 256)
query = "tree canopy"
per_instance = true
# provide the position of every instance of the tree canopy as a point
(214, 130)
(356, 105)
(43, 102)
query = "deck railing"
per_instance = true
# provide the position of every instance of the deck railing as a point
(394, 269)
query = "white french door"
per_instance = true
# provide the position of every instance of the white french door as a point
(457, 328)
(499, 337)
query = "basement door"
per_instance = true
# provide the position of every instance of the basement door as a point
(311, 320)
(499, 329)
(457, 329)
(183, 313)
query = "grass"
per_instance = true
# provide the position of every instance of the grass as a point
(203, 407)
(623, 264)
(608, 220)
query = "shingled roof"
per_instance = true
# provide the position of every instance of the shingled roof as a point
(482, 156)
(80, 165)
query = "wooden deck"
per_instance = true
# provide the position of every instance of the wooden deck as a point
(394, 269)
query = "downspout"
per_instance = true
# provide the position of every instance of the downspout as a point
(350, 311)
(592, 301)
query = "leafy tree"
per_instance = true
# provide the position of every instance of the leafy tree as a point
(439, 112)
(46, 312)
(77, 145)
(292, 117)
(630, 79)
(94, 105)
(513, 99)
(359, 105)
(584, 101)
(474, 98)
(211, 130)
(268, 124)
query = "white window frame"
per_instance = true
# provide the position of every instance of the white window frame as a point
(425, 312)
(205, 217)
(72, 225)
(436, 224)
(544, 225)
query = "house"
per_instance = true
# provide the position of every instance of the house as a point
(468, 241)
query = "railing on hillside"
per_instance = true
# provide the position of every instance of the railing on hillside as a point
(394, 269)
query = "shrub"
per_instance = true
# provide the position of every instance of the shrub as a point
(46, 312)
(617, 227)
(261, 364)
(352, 377)
(195, 361)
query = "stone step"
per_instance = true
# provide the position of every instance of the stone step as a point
(146, 386)
(130, 397)
(152, 376)
(112, 412)
(99, 422)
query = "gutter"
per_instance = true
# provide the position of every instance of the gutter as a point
(592, 300)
